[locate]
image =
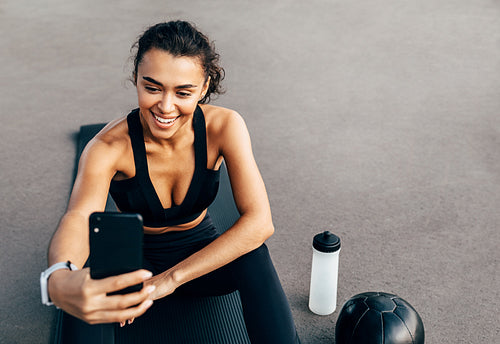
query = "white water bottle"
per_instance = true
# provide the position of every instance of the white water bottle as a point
(324, 273)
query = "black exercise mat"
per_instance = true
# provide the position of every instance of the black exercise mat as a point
(174, 319)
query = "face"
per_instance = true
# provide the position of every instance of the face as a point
(168, 90)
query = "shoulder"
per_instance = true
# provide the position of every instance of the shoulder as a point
(226, 130)
(111, 143)
(220, 120)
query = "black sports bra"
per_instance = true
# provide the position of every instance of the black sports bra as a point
(138, 195)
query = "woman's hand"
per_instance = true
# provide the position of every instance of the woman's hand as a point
(79, 295)
(164, 284)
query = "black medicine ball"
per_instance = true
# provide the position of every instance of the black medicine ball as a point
(378, 318)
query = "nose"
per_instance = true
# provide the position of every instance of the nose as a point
(166, 104)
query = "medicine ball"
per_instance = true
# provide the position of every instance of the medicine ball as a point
(378, 318)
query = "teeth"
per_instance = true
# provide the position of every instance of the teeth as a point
(164, 120)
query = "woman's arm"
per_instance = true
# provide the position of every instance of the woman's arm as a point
(75, 291)
(70, 241)
(255, 223)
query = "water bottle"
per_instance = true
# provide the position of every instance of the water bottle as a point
(324, 273)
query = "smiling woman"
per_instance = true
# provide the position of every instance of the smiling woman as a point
(162, 161)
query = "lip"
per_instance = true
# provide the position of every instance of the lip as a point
(163, 125)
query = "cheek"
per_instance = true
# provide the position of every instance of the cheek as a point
(189, 104)
(145, 99)
(186, 105)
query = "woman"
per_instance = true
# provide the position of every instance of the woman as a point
(162, 161)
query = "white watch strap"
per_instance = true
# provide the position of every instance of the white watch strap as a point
(44, 276)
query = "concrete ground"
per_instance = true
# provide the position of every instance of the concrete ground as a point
(377, 120)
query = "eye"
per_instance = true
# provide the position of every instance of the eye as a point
(184, 94)
(151, 89)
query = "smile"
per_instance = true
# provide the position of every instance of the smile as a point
(164, 120)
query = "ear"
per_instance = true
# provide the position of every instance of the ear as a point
(205, 88)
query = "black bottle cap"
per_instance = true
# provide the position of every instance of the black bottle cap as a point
(326, 242)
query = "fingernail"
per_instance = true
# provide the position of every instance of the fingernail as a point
(122, 324)
(148, 303)
(150, 289)
(147, 275)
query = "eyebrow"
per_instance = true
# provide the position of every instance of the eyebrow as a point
(153, 81)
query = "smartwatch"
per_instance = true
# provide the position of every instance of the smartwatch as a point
(45, 276)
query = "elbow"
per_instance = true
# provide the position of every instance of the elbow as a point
(267, 230)
(258, 228)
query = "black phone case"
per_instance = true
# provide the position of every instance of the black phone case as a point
(115, 245)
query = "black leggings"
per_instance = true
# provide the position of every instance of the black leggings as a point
(266, 312)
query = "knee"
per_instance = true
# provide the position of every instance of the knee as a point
(255, 264)
(260, 253)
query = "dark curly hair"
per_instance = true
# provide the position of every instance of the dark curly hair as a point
(181, 38)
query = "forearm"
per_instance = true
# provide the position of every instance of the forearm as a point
(70, 241)
(244, 236)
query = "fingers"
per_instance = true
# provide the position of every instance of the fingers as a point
(115, 283)
(119, 316)
(118, 308)
(128, 300)
(125, 308)
(130, 321)
(86, 298)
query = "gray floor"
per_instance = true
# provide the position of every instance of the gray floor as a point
(377, 120)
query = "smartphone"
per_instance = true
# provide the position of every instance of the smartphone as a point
(115, 245)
